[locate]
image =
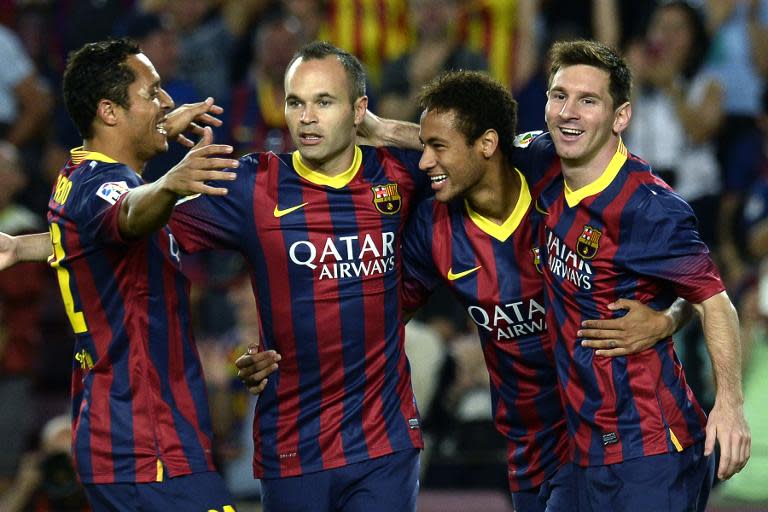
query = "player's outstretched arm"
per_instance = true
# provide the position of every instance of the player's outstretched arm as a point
(190, 117)
(254, 367)
(636, 331)
(147, 208)
(377, 131)
(18, 249)
(726, 423)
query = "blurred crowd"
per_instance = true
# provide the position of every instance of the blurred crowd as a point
(700, 117)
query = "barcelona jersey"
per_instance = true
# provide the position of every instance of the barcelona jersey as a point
(139, 402)
(626, 235)
(324, 256)
(494, 270)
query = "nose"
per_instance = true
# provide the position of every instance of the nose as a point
(427, 160)
(166, 102)
(308, 115)
(568, 111)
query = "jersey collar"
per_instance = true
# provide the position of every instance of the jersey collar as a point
(338, 181)
(78, 155)
(573, 197)
(505, 230)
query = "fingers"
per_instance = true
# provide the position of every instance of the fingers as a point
(709, 441)
(206, 139)
(726, 467)
(735, 448)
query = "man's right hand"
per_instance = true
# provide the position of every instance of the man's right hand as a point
(254, 367)
(188, 177)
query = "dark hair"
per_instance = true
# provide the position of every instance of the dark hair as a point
(700, 43)
(94, 72)
(478, 102)
(318, 50)
(596, 54)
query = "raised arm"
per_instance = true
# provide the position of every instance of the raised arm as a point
(641, 328)
(18, 249)
(147, 208)
(377, 131)
(726, 423)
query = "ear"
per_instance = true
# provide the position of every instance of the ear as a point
(107, 112)
(360, 106)
(489, 142)
(621, 118)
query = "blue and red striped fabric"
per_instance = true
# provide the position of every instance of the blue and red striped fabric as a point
(324, 254)
(494, 272)
(140, 410)
(625, 235)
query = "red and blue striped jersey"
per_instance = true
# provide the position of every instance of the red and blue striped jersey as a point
(324, 254)
(494, 271)
(139, 400)
(625, 235)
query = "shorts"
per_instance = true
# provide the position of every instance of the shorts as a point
(383, 484)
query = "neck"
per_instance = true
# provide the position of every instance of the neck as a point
(579, 173)
(333, 166)
(497, 194)
(116, 151)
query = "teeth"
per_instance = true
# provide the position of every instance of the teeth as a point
(439, 178)
(571, 131)
(161, 128)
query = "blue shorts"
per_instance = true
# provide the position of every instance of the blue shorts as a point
(383, 484)
(204, 492)
(557, 494)
(676, 482)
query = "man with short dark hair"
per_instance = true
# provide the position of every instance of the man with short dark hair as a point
(141, 428)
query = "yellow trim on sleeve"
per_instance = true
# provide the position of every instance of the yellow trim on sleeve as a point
(573, 197)
(318, 178)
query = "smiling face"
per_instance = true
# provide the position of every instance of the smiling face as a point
(321, 115)
(454, 166)
(143, 121)
(584, 123)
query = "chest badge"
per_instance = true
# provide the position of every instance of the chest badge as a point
(588, 242)
(386, 198)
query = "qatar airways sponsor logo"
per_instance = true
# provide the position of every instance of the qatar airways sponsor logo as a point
(511, 320)
(567, 264)
(347, 256)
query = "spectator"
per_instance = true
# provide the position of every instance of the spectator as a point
(437, 49)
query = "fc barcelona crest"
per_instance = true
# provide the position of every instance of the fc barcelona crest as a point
(588, 242)
(386, 198)
(537, 259)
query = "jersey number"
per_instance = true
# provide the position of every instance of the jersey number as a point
(76, 318)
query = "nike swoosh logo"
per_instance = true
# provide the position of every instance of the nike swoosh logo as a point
(453, 277)
(279, 213)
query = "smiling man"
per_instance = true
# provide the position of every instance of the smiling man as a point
(611, 228)
(141, 428)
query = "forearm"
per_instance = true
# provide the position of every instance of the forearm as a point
(35, 247)
(146, 209)
(377, 131)
(721, 331)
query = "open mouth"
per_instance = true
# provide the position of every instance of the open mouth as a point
(571, 132)
(160, 128)
(438, 178)
(310, 138)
